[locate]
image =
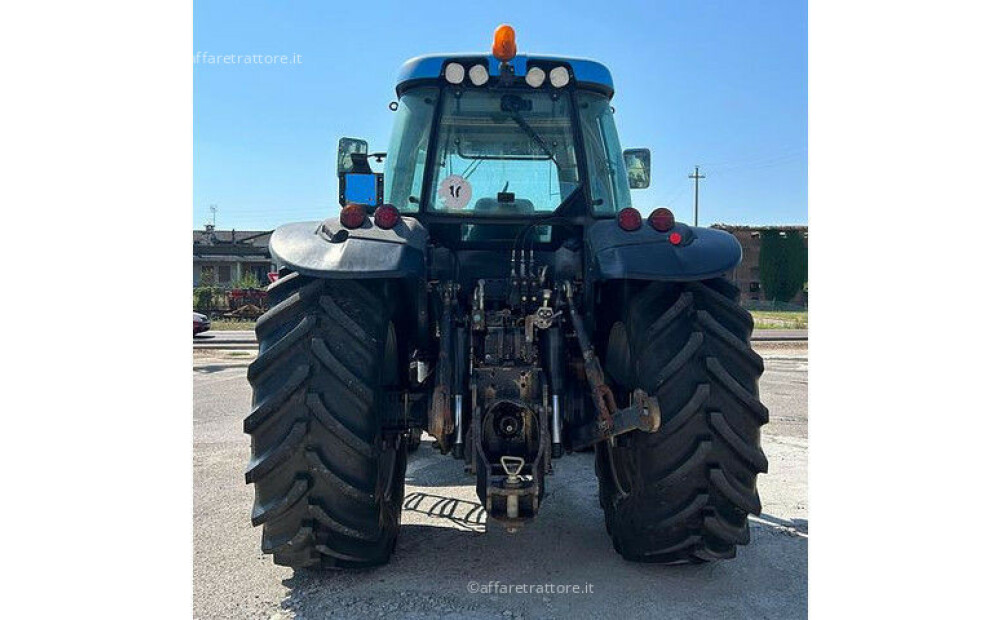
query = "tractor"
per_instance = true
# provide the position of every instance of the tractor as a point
(494, 288)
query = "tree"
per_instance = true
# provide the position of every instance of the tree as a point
(248, 281)
(784, 264)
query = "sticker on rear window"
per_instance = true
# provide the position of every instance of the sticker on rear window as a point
(456, 191)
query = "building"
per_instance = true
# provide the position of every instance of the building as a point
(222, 257)
(747, 275)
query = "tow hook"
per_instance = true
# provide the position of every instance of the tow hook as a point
(512, 466)
(504, 498)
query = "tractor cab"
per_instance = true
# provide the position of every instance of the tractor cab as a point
(484, 144)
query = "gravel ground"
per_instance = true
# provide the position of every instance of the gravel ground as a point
(445, 558)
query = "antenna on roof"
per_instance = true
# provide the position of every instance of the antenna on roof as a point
(210, 227)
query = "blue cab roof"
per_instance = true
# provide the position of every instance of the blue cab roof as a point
(584, 71)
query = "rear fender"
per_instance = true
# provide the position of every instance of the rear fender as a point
(328, 250)
(645, 254)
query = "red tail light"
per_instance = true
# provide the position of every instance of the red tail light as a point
(675, 238)
(661, 219)
(386, 216)
(353, 216)
(629, 219)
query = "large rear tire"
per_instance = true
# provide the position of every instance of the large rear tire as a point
(683, 494)
(328, 485)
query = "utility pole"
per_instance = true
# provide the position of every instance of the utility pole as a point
(696, 176)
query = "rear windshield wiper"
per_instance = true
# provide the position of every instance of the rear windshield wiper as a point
(528, 129)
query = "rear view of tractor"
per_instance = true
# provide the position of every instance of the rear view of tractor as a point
(494, 287)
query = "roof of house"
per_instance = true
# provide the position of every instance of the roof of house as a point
(231, 242)
(732, 227)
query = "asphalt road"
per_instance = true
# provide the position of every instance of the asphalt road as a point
(235, 339)
(443, 550)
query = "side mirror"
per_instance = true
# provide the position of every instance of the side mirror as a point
(347, 147)
(637, 165)
(358, 184)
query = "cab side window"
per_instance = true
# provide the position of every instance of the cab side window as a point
(605, 164)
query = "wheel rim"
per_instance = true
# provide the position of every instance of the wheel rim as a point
(618, 356)
(619, 360)
(389, 467)
(620, 477)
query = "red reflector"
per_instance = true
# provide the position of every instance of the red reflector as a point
(662, 219)
(386, 216)
(675, 238)
(629, 219)
(353, 216)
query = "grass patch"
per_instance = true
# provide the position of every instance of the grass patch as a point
(231, 325)
(771, 319)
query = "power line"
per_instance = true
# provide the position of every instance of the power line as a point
(782, 154)
(676, 195)
(673, 191)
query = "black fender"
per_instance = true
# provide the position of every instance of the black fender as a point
(646, 254)
(328, 250)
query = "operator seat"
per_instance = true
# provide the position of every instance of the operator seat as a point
(499, 231)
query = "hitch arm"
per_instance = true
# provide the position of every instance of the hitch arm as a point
(440, 420)
(643, 414)
(604, 400)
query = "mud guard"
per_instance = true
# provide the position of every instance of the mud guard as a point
(328, 250)
(646, 254)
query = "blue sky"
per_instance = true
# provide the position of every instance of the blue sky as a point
(720, 84)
